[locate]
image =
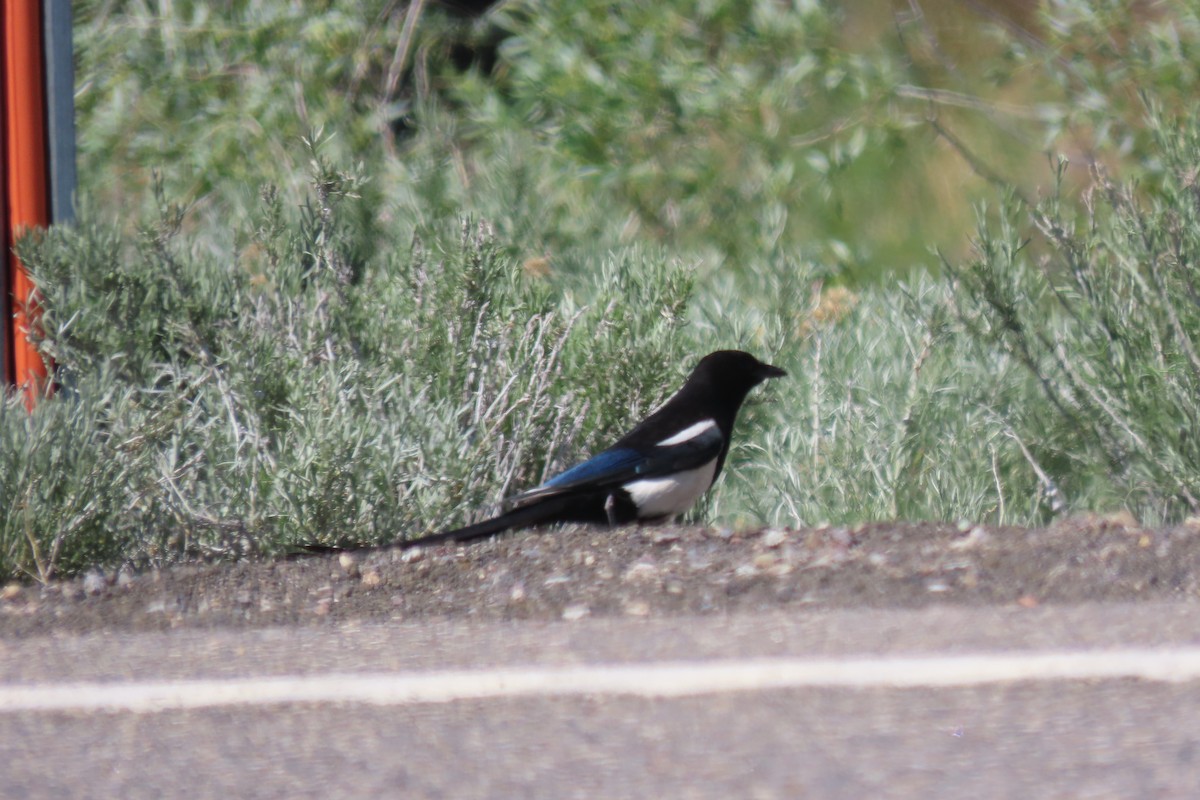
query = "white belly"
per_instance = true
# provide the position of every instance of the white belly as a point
(673, 494)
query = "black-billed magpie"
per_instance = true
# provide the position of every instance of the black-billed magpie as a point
(654, 472)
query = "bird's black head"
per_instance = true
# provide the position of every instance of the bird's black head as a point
(713, 392)
(720, 382)
(735, 370)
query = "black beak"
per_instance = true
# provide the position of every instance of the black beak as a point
(766, 371)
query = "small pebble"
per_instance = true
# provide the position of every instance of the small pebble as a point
(94, 582)
(774, 537)
(637, 608)
(641, 571)
(573, 613)
(664, 535)
(841, 536)
(764, 560)
(371, 578)
(974, 538)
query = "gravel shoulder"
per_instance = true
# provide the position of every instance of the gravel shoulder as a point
(648, 572)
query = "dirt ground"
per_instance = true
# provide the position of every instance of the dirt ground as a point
(577, 572)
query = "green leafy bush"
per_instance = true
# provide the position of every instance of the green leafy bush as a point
(1105, 315)
(404, 326)
(299, 395)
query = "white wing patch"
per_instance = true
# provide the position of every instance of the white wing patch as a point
(671, 494)
(690, 432)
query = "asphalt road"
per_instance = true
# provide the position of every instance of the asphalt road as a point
(1098, 699)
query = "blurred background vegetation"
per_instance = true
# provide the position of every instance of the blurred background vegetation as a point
(351, 271)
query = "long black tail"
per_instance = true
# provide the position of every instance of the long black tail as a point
(545, 511)
(548, 510)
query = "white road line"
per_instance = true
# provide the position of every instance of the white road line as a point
(653, 680)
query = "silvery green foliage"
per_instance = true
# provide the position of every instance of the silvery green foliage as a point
(310, 389)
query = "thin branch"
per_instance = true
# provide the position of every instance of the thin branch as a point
(976, 164)
(403, 46)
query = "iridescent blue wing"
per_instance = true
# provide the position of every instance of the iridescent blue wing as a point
(620, 465)
(611, 466)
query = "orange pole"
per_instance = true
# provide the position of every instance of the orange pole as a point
(25, 140)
